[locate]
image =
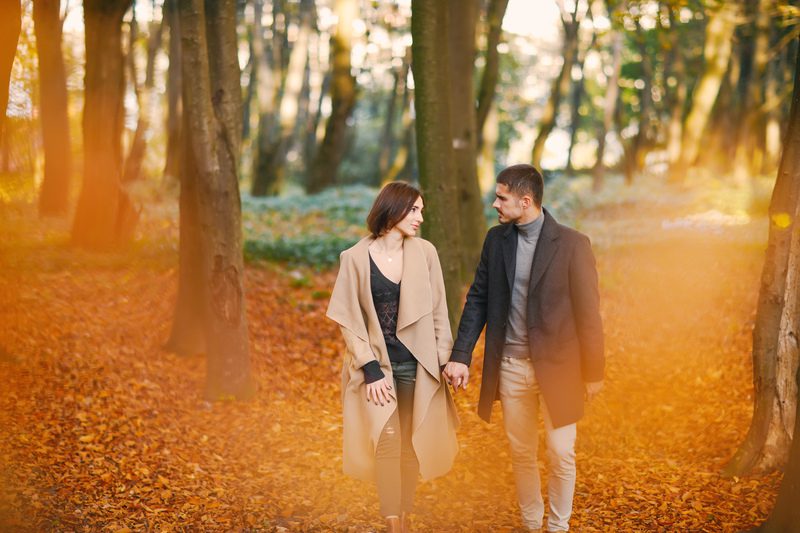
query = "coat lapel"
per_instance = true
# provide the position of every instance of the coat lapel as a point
(415, 289)
(509, 246)
(545, 249)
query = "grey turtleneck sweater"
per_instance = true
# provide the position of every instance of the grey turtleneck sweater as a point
(517, 328)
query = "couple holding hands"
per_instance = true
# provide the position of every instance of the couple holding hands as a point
(535, 289)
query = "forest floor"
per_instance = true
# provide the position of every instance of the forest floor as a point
(102, 430)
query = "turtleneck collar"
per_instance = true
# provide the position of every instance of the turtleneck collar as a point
(531, 229)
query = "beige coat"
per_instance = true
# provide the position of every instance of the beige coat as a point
(423, 327)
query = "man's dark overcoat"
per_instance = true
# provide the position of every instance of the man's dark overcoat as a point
(565, 331)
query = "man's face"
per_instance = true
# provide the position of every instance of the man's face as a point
(509, 205)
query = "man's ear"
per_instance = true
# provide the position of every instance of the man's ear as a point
(527, 201)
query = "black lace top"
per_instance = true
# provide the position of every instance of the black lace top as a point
(386, 298)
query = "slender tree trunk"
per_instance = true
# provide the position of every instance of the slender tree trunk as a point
(462, 18)
(636, 150)
(269, 73)
(429, 30)
(494, 20)
(578, 90)
(403, 154)
(387, 147)
(135, 159)
(174, 105)
(677, 100)
(775, 334)
(104, 216)
(560, 85)
(270, 169)
(10, 26)
(609, 108)
(213, 115)
(54, 194)
(717, 52)
(343, 100)
(749, 154)
(486, 158)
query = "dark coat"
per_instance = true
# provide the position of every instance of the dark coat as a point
(565, 331)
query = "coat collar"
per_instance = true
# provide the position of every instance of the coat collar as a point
(545, 248)
(415, 290)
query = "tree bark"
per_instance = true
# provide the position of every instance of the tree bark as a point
(213, 116)
(270, 164)
(104, 216)
(609, 107)
(330, 153)
(54, 194)
(174, 113)
(494, 20)
(569, 52)
(10, 26)
(717, 53)
(775, 334)
(430, 64)
(135, 159)
(388, 142)
(785, 516)
(462, 18)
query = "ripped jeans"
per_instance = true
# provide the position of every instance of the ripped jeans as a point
(396, 465)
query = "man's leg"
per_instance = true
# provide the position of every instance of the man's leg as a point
(561, 469)
(519, 400)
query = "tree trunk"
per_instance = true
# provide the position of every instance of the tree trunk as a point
(187, 335)
(54, 194)
(494, 20)
(270, 167)
(213, 116)
(785, 516)
(776, 330)
(430, 64)
(609, 108)
(636, 149)
(578, 90)
(104, 216)
(343, 100)
(388, 142)
(269, 74)
(717, 53)
(462, 18)
(174, 113)
(677, 101)
(10, 26)
(135, 159)
(570, 23)
(486, 158)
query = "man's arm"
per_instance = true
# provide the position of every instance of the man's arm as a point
(585, 296)
(474, 316)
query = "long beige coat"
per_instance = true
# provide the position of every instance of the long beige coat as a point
(423, 327)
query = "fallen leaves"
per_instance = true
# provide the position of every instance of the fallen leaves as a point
(104, 431)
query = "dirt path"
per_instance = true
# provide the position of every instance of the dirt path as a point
(102, 430)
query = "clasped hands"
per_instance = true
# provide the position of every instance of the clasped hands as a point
(381, 391)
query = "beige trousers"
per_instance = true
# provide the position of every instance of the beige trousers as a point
(521, 400)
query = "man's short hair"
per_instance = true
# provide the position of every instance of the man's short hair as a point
(523, 179)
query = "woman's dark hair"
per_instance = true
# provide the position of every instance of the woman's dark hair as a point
(391, 206)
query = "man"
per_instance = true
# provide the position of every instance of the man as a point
(535, 289)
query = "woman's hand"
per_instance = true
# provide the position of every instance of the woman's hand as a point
(380, 392)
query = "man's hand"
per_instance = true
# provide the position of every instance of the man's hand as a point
(380, 392)
(593, 389)
(457, 375)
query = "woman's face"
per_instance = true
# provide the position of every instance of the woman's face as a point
(409, 225)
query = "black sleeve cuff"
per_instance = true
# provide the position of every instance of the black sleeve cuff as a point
(372, 372)
(461, 357)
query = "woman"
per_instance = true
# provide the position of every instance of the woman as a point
(389, 299)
